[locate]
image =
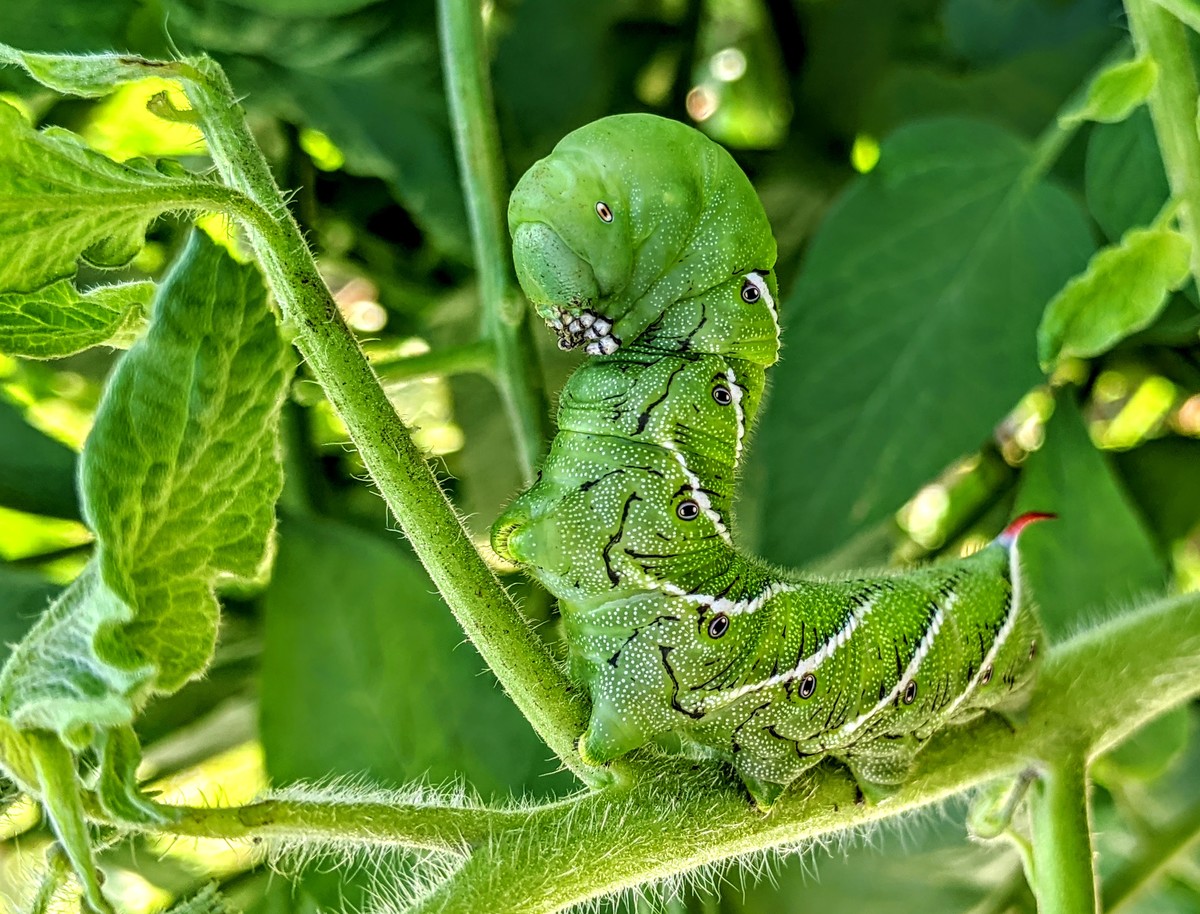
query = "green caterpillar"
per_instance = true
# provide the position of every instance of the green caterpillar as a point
(642, 240)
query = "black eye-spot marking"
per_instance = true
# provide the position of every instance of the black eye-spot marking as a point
(1032, 649)
(750, 293)
(718, 626)
(910, 692)
(602, 210)
(688, 510)
(808, 685)
(722, 395)
(987, 676)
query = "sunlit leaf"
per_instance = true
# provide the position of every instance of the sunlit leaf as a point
(1115, 92)
(910, 332)
(60, 201)
(57, 320)
(90, 74)
(179, 476)
(1123, 289)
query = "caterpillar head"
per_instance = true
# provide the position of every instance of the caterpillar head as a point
(628, 216)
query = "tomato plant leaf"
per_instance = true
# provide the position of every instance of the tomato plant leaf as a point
(1069, 477)
(1114, 93)
(907, 338)
(89, 74)
(58, 320)
(179, 479)
(60, 201)
(1124, 288)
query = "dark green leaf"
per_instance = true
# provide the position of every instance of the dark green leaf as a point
(37, 473)
(24, 595)
(366, 672)
(1125, 182)
(1098, 554)
(987, 31)
(370, 80)
(1162, 479)
(910, 332)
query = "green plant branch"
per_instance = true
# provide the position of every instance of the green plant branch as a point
(1159, 35)
(1063, 877)
(1155, 853)
(478, 357)
(505, 317)
(441, 828)
(485, 611)
(691, 816)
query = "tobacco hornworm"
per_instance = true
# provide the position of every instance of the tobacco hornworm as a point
(642, 240)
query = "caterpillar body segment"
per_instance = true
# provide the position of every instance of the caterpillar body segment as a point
(665, 275)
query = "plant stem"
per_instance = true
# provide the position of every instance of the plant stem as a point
(1154, 854)
(478, 357)
(484, 610)
(1159, 35)
(442, 828)
(477, 142)
(692, 816)
(1064, 877)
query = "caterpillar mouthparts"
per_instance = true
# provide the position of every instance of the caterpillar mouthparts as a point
(586, 328)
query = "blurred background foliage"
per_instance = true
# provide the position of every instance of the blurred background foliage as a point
(927, 206)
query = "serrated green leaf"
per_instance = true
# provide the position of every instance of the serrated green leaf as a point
(1115, 93)
(179, 477)
(60, 201)
(1098, 554)
(58, 320)
(89, 75)
(1124, 288)
(910, 332)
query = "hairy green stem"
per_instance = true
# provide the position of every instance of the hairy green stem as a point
(442, 828)
(1162, 37)
(55, 877)
(487, 614)
(1154, 854)
(478, 357)
(692, 816)
(477, 142)
(1064, 876)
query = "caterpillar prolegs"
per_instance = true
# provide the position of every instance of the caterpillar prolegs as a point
(641, 240)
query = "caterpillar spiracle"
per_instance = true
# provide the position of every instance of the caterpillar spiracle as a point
(643, 241)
